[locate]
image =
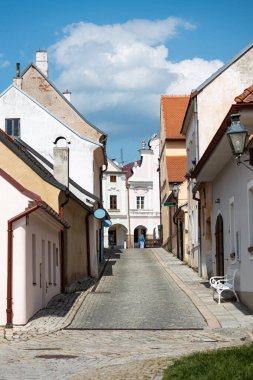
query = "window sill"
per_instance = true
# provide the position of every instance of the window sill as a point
(34, 283)
(114, 210)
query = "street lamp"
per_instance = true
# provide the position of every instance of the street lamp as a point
(175, 190)
(237, 135)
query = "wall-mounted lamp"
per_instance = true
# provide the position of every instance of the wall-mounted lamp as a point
(237, 136)
(175, 190)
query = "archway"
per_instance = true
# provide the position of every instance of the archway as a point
(138, 231)
(117, 236)
(219, 246)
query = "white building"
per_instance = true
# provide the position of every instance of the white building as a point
(231, 207)
(132, 197)
(116, 202)
(37, 127)
(207, 108)
(30, 260)
(144, 194)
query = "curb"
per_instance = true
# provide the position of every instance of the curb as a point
(210, 319)
(16, 332)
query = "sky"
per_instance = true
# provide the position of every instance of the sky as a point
(118, 57)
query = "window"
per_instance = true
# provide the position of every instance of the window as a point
(113, 202)
(34, 258)
(12, 127)
(140, 203)
(57, 257)
(112, 178)
(54, 264)
(49, 264)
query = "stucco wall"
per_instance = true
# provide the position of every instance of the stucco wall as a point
(39, 129)
(44, 229)
(27, 298)
(16, 168)
(216, 99)
(35, 85)
(75, 259)
(145, 182)
(232, 183)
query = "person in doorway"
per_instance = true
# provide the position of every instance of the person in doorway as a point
(141, 241)
(111, 242)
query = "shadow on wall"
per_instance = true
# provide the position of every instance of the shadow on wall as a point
(60, 305)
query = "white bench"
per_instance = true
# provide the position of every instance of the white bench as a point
(220, 284)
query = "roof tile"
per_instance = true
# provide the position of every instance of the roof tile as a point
(246, 96)
(173, 108)
(176, 168)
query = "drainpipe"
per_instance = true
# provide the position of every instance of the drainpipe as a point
(9, 311)
(62, 253)
(87, 223)
(128, 211)
(199, 234)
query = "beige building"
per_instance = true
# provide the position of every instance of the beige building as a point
(173, 171)
(27, 170)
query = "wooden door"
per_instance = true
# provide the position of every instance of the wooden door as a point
(219, 246)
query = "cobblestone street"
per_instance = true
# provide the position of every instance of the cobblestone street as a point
(136, 293)
(44, 349)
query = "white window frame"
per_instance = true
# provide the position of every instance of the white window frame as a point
(140, 202)
(54, 264)
(49, 263)
(13, 127)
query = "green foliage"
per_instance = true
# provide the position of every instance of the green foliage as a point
(234, 363)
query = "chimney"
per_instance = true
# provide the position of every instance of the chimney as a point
(67, 95)
(42, 61)
(17, 80)
(61, 161)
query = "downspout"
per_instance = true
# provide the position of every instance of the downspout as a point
(62, 253)
(87, 223)
(9, 311)
(160, 204)
(199, 234)
(197, 128)
(128, 212)
(176, 223)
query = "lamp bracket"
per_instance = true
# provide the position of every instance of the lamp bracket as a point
(239, 162)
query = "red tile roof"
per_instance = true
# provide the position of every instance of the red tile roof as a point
(173, 108)
(176, 168)
(246, 96)
(128, 167)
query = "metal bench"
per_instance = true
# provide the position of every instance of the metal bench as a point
(221, 284)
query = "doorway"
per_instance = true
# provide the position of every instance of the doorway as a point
(219, 246)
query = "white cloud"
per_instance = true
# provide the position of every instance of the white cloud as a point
(124, 68)
(3, 62)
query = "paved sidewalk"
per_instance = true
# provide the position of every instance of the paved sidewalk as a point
(57, 315)
(226, 315)
(62, 309)
(121, 354)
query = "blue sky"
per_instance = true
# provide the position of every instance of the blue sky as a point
(118, 57)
